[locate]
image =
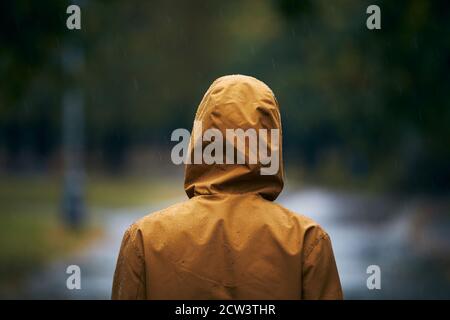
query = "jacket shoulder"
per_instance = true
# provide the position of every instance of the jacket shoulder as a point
(313, 232)
(303, 219)
(162, 214)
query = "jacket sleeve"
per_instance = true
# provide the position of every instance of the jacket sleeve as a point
(320, 274)
(129, 277)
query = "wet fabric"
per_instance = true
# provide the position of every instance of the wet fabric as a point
(230, 240)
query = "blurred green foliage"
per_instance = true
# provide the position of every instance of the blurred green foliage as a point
(360, 104)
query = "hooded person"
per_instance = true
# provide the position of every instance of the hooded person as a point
(230, 240)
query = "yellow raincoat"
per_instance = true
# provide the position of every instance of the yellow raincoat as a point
(229, 240)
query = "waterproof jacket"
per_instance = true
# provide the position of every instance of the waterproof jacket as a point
(230, 240)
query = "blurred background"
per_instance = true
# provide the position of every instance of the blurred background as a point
(86, 117)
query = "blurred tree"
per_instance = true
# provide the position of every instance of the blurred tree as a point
(373, 104)
(378, 98)
(29, 40)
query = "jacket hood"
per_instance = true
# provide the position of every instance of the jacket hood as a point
(235, 102)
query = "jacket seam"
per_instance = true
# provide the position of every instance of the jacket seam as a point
(315, 244)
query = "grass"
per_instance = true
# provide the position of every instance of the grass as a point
(31, 230)
(132, 191)
(30, 238)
